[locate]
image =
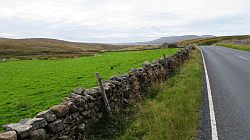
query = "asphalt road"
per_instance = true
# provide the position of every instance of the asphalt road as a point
(229, 76)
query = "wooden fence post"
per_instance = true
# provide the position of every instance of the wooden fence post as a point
(164, 62)
(105, 99)
(165, 66)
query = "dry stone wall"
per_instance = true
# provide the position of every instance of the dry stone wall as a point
(83, 108)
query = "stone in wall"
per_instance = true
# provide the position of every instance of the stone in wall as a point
(47, 114)
(60, 110)
(26, 126)
(9, 135)
(39, 134)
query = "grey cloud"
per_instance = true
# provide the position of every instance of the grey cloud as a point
(126, 21)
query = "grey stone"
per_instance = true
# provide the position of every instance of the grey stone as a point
(113, 78)
(71, 106)
(35, 122)
(9, 135)
(25, 126)
(39, 134)
(81, 109)
(89, 97)
(47, 114)
(73, 109)
(75, 115)
(80, 128)
(67, 120)
(56, 126)
(23, 130)
(66, 99)
(64, 138)
(60, 110)
(84, 113)
(88, 93)
(73, 95)
(133, 70)
(79, 100)
(79, 90)
(91, 105)
(67, 129)
(146, 64)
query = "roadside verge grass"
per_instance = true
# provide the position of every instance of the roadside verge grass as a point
(172, 113)
(235, 46)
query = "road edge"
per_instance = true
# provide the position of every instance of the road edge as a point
(210, 100)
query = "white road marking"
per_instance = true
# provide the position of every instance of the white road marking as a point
(236, 55)
(242, 57)
(210, 101)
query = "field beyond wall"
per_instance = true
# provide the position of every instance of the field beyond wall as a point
(28, 87)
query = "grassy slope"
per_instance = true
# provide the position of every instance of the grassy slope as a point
(235, 46)
(174, 113)
(226, 41)
(213, 40)
(27, 87)
(42, 47)
(52, 45)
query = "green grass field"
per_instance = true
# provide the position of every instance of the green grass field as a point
(28, 87)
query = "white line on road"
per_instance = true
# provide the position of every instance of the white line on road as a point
(210, 101)
(236, 55)
(242, 57)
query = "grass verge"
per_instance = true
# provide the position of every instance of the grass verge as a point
(235, 46)
(172, 113)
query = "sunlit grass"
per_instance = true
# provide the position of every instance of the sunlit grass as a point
(28, 87)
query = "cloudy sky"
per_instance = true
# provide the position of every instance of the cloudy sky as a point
(122, 20)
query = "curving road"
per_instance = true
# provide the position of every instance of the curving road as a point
(229, 76)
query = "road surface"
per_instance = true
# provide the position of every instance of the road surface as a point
(229, 76)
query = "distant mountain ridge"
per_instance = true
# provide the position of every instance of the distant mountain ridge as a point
(174, 39)
(2, 38)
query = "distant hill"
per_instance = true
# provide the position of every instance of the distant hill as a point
(174, 39)
(44, 47)
(1, 38)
